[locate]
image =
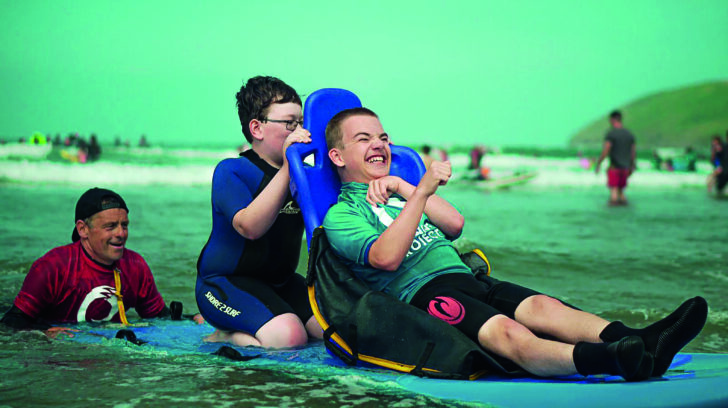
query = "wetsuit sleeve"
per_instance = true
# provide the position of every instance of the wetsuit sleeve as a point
(230, 192)
(37, 293)
(17, 319)
(350, 233)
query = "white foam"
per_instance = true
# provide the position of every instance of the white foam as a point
(558, 172)
(195, 167)
(105, 173)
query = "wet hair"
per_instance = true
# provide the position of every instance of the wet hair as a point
(257, 95)
(333, 128)
(616, 115)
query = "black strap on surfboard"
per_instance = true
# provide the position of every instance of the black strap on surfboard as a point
(334, 348)
(232, 354)
(424, 357)
(129, 336)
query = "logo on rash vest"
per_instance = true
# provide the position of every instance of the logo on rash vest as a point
(446, 309)
(221, 306)
(98, 306)
(425, 234)
(290, 208)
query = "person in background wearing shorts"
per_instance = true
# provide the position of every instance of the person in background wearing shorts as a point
(619, 145)
(247, 286)
(396, 238)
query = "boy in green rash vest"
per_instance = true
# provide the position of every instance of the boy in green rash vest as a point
(396, 238)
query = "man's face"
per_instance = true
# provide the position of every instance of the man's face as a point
(105, 235)
(365, 154)
(273, 134)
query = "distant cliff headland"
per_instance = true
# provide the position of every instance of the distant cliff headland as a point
(675, 118)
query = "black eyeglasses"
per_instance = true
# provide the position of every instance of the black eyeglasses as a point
(291, 124)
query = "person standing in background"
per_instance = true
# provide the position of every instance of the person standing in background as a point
(425, 155)
(619, 145)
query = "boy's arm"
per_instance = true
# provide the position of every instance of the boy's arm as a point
(255, 220)
(441, 213)
(388, 251)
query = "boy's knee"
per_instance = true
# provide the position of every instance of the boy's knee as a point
(506, 337)
(500, 331)
(283, 331)
(538, 305)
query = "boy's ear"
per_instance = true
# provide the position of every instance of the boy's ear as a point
(335, 156)
(256, 130)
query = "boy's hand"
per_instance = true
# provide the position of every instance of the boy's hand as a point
(380, 189)
(437, 175)
(300, 135)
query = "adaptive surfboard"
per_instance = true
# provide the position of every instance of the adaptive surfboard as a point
(693, 380)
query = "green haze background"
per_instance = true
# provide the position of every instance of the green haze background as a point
(455, 72)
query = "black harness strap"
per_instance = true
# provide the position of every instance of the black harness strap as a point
(424, 357)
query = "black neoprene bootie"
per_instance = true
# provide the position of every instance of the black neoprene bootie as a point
(626, 358)
(665, 338)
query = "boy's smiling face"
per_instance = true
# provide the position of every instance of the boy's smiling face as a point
(365, 154)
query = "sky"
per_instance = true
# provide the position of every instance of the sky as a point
(522, 73)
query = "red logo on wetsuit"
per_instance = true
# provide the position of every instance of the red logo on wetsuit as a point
(446, 309)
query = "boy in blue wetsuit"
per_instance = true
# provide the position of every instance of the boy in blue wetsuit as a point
(396, 238)
(247, 286)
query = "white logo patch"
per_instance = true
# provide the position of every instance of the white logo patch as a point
(99, 292)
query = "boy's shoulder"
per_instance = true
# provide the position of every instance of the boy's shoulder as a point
(238, 165)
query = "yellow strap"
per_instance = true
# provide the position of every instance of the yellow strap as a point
(122, 312)
(485, 258)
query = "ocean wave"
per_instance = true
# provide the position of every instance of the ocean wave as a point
(34, 172)
(145, 166)
(559, 172)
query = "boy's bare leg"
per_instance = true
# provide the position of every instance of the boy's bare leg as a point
(546, 315)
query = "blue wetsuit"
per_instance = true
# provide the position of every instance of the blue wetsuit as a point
(242, 283)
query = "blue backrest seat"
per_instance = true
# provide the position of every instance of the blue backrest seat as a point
(315, 183)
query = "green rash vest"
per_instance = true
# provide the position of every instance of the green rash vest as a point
(352, 225)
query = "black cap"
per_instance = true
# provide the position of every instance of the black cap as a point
(93, 201)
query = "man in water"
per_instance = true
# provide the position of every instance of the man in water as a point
(95, 278)
(619, 145)
(396, 238)
(247, 286)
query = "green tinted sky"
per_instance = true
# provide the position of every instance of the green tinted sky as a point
(503, 73)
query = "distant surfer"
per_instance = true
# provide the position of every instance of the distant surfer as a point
(95, 278)
(426, 156)
(396, 237)
(481, 172)
(619, 145)
(718, 178)
(247, 286)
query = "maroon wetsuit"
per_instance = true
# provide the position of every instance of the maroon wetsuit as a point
(66, 286)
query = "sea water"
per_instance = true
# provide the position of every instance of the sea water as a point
(555, 234)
